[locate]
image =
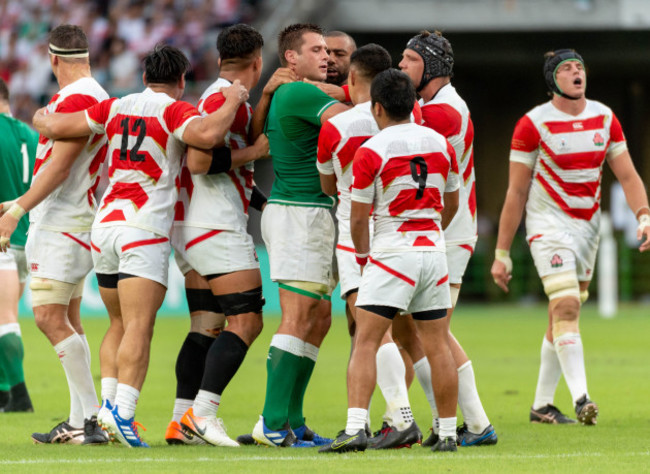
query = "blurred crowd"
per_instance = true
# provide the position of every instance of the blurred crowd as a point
(120, 33)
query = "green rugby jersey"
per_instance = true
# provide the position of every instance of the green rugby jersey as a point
(292, 126)
(17, 153)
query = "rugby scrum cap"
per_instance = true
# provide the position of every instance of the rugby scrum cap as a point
(552, 64)
(436, 53)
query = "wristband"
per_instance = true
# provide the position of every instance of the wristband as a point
(362, 258)
(258, 199)
(503, 256)
(636, 214)
(221, 160)
(644, 221)
(16, 211)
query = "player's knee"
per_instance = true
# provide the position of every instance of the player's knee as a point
(561, 285)
(250, 301)
(207, 323)
(47, 292)
(563, 326)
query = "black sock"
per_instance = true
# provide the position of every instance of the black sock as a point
(224, 358)
(20, 400)
(190, 364)
(4, 397)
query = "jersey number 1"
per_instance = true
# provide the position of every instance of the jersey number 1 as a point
(140, 126)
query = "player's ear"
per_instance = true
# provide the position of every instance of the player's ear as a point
(290, 56)
(144, 78)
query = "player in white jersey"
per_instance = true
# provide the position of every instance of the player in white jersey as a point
(557, 155)
(401, 174)
(62, 207)
(428, 60)
(340, 137)
(212, 245)
(147, 136)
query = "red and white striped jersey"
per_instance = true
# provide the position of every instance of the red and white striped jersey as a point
(145, 147)
(403, 172)
(71, 207)
(447, 114)
(566, 154)
(219, 201)
(340, 137)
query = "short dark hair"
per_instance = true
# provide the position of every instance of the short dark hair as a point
(69, 37)
(165, 65)
(371, 59)
(4, 90)
(239, 41)
(340, 34)
(394, 90)
(291, 38)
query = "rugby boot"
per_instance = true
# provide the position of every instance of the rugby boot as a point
(62, 433)
(392, 438)
(345, 443)
(586, 411)
(487, 437)
(549, 414)
(445, 445)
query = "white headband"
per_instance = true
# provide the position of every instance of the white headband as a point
(68, 53)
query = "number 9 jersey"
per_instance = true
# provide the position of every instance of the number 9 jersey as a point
(403, 172)
(145, 147)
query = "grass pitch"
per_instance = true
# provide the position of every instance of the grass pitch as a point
(502, 341)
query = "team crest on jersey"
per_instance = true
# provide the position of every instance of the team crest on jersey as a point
(556, 261)
(598, 139)
(34, 267)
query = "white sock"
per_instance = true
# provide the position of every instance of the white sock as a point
(206, 404)
(423, 373)
(84, 339)
(469, 401)
(72, 355)
(448, 428)
(109, 389)
(181, 405)
(356, 420)
(391, 374)
(569, 351)
(550, 372)
(125, 399)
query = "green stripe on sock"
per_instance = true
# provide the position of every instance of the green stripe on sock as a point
(282, 368)
(300, 291)
(296, 417)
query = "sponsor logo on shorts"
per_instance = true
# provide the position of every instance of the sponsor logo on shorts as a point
(556, 261)
(34, 267)
(598, 139)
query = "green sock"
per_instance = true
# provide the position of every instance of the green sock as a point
(11, 358)
(296, 418)
(282, 368)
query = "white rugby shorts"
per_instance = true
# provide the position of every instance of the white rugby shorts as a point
(563, 251)
(409, 281)
(211, 252)
(349, 269)
(126, 249)
(299, 241)
(60, 256)
(14, 259)
(458, 255)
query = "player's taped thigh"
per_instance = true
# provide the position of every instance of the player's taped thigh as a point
(202, 300)
(46, 291)
(250, 301)
(206, 316)
(78, 289)
(584, 296)
(310, 289)
(560, 285)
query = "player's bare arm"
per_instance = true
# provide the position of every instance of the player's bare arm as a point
(450, 200)
(210, 131)
(335, 92)
(282, 75)
(635, 194)
(200, 161)
(333, 110)
(359, 229)
(511, 214)
(61, 125)
(328, 183)
(64, 153)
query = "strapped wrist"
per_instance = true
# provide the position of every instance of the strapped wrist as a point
(16, 211)
(362, 258)
(221, 160)
(503, 256)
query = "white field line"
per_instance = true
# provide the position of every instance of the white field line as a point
(462, 457)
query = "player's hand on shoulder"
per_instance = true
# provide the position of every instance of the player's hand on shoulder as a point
(335, 92)
(282, 75)
(39, 119)
(235, 92)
